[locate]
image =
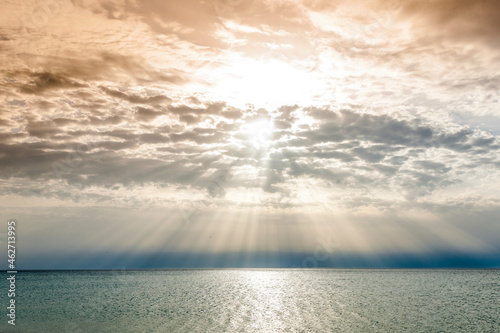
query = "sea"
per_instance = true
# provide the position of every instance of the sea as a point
(255, 300)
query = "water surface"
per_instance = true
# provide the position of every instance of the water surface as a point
(322, 300)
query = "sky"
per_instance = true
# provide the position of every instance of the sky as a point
(250, 133)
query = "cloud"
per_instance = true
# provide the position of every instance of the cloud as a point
(45, 81)
(136, 99)
(366, 149)
(460, 19)
(369, 107)
(146, 114)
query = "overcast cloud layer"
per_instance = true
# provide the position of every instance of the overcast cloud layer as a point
(250, 127)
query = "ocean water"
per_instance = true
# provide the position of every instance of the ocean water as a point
(294, 300)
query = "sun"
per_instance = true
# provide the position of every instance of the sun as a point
(259, 133)
(269, 84)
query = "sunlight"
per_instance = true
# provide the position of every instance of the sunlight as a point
(259, 133)
(269, 288)
(266, 84)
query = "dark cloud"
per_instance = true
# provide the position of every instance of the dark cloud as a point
(66, 73)
(146, 114)
(199, 137)
(45, 81)
(457, 19)
(106, 120)
(322, 114)
(154, 138)
(213, 108)
(42, 129)
(372, 154)
(385, 129)
(232, 113)
(430, 166)
(338, 155)
(189, 118)
(64, 121)
(136, 99)
(5, 122)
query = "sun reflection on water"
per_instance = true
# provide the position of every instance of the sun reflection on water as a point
(266, 296)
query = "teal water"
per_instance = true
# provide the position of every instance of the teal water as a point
(323, 300)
